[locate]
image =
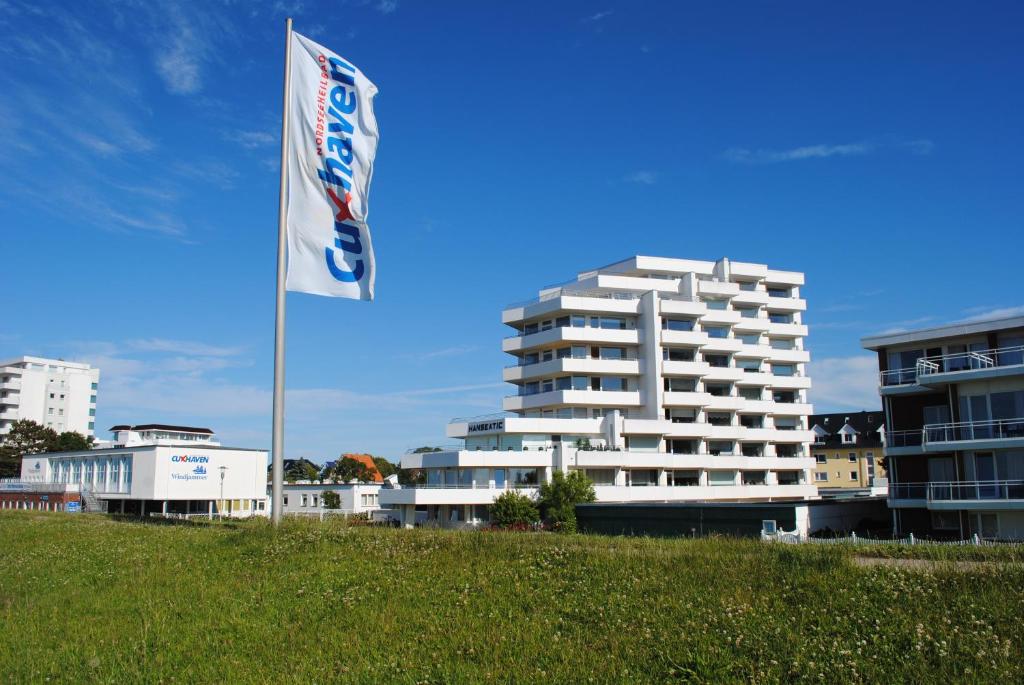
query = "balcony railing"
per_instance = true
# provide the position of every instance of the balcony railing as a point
(898, 377)
(959, 491)
(965, 361)
(976, 490)
(911, 438)
(999, 429)
(576, 292)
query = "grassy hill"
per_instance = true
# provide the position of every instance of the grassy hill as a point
(90, 599)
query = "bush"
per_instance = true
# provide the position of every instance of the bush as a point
(514, 509)
(558, 499)
(331, 499)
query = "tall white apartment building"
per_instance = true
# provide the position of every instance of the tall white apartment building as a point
(662, 379)
(52, 392)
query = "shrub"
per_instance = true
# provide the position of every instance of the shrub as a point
(558, 499)
(331, 499)
(513, 509)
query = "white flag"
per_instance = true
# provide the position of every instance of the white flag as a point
(333, 139)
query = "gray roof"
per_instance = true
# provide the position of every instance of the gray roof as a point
(875, 342)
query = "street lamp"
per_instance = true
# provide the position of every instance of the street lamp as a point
(222, 470)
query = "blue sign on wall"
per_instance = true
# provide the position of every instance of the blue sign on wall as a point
(73, 507)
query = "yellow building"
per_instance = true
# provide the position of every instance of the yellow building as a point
(847, 449)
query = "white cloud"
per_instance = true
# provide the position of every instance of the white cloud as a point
(844, 383)
(747, 156)
(208, 171)
(183, 347)
(444, 352)
(642, 177)
(386, 6)
(598, 16)
(995, 313)
(252, 139)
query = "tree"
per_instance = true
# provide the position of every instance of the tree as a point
(512, 508)
(411, 476)
(70, 441)
(385, 467)
(25, 437)
(347, 469)
(298, 469)
(331, 499)
(558, 499)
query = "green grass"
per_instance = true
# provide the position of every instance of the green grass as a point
(90, 599)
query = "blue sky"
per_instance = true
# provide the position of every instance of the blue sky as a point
(876, 147)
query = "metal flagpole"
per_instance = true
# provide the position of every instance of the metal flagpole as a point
(277, 454)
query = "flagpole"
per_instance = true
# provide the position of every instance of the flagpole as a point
(277, 454)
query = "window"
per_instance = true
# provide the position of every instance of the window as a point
(778, 292)
(718, 361)
(780, 318)
(677, 354)
(718, 389)
(752, 420)
(51, 395)
(720, 447)
(92, 412)
(820, 477)
(680, 384)
(92, 400)
(786, 423)
(601, 476)
(820, 458)
(852, 457)
(680, 478)
(749, 365)
(717, 305)
(315, 501)
(305, 500)
(677, 324)
(717, 331)
(95, 386)
(50, 411)
(719, 418)
(782, 343)
(750, 338)
(751, 393)
(849, 438)
(613, 353)
(784, 396)
(754, 478)
(721, 477)
(752, 449)
(609, 322)
(853, 475)
(748, 312)
(785, 450)
(784, 369)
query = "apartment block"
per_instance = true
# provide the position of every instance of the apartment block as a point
(662, 379)
(847, 450)
(954, 428)
(52, 392)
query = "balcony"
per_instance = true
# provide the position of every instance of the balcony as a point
(787, 304)
(999, 362)
(675, 398)
(959, 495)
(572, 300)
(692, 338)
(694, 368)
(614, 336)
(901, 443)
(899, 382)
(789, 356)
(790, 382)
(721, 317)
(583, 365)
(719, 288)
(999, 433)
(13, 383)
(793, 330)
(553, 398)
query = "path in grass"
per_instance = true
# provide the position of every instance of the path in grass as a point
(84, 598)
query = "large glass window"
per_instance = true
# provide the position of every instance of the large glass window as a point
(610, 322)
(601, 476)
(750, 338)
(751, 393)
(718, 305)
(721, 477)
(717, 331)
(720, 447)
(749, 365)
(523, 477)
(719, 361)
(613, 353)
(680, 384)
(677, 324)
(783, 369)
(776, 317)
(718, 389)
(677, 354)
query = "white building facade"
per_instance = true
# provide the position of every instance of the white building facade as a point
(305, 498)
(54, 393)
(661, 379)
(159, 469)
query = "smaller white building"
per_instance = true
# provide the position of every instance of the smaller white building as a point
(160, 469)
(305, 498)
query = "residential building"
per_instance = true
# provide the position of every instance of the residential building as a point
(848, 450)
(159, 469)
(662, 379)
(52, 392)
(306, 497)
(954, 428)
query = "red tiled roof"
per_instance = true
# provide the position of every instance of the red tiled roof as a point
(368, 461)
